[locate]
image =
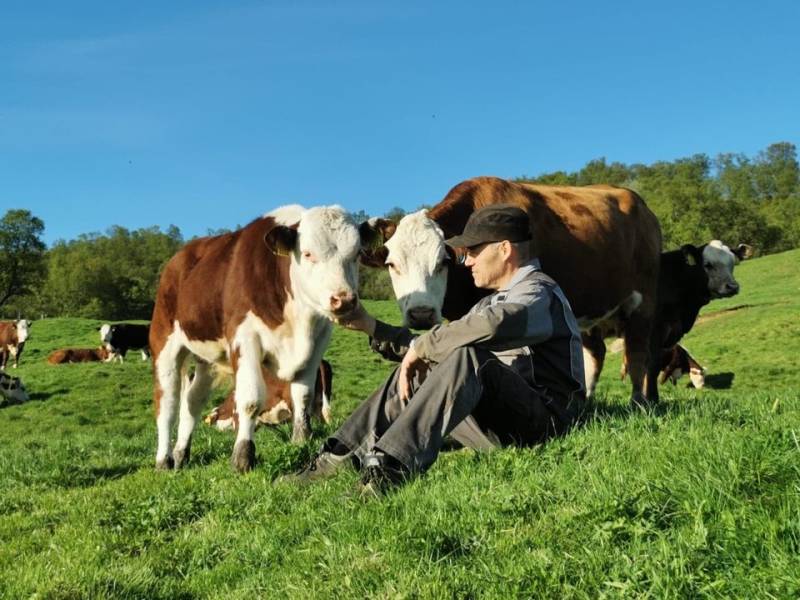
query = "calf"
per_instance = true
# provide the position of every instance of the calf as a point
(75, 355)
(264, 295)
(120, 337)
(677, 361)
(673, 364)
(279, 402)
(13, 335)
(11, 390)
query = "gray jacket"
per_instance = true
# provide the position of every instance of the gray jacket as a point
(528, 325)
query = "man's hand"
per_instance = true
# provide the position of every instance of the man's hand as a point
(358, 319)
(411, 365)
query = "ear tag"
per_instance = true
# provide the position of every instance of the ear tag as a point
(690, 260)
(280, 252)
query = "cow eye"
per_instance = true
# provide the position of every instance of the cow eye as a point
(392, 266)
(708, 266)
(308, 256)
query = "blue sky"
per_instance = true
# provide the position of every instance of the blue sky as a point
(207, 114)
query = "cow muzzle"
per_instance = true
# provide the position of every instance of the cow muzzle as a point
(342, 303)
(728, 290)
(421, 317)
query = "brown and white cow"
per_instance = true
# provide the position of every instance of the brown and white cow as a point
(76, 355)
(600, 243)
(13, 335)
(675, 362)
(279, 402)
(11, 390)
(265, 294)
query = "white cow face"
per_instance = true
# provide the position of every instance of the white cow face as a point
(105, 334)
(323, 244)
(23, 325)
(718, 262)
(418, 261)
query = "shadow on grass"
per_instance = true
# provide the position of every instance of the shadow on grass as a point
(720, 381)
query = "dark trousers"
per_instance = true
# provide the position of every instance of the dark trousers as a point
(470, 396)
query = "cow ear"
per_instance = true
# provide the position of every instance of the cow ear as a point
(743, 251)
(374, 234)
(691, 254)
(281, 240)
(374, 258)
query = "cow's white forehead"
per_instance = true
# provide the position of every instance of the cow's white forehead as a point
(22, 330)
(287, 215)
(417, 236)
(718, 253)
(328, 230)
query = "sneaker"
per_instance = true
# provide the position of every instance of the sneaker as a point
(380, 474)
(323, 466)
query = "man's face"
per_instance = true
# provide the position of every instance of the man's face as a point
(487, 264)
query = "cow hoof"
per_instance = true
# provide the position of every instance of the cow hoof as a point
(243, 458)
(300, 435)
(181, 456)
(641, 402)
(165, 464)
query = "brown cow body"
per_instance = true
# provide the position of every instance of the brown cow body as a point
(76, 355)
(600, 243)
(262, 296)
(279, 402)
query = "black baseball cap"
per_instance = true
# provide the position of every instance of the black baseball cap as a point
(493, 223)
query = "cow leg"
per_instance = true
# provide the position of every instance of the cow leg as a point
(640, 360)
(193, 398)
(594, 354)
(302, 390)
(251, 393)
(166, 395)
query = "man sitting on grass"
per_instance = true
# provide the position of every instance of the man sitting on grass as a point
(508, 372)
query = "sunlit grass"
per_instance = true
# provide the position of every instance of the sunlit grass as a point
(700, 498)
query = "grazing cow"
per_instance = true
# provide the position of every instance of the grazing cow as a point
(13, 335)
(600, 243)
(11, 390)
(120, 337)
(279, 402)
(76, 355)
(265, 294)
(674, 363)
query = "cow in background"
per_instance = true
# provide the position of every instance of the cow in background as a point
(674, 363)
(600, 243)
(13, 335)
(11, 390)
(120, 337)
(264, 295)
(689, 278)
(76, 355)
(279, 402)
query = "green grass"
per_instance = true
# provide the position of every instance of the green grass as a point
(700, 498)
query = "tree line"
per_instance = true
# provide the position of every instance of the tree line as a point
(114, 275)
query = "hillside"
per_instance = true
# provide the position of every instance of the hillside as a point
(697, 498)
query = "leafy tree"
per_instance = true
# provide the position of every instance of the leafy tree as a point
(22, 253)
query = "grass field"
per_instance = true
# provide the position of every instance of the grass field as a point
(700, 498)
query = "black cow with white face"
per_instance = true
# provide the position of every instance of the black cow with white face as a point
(689, 279)
(120, 337)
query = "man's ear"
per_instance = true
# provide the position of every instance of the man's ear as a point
(374, 234)
(743, 251)
(691, 254)
(281, 240)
